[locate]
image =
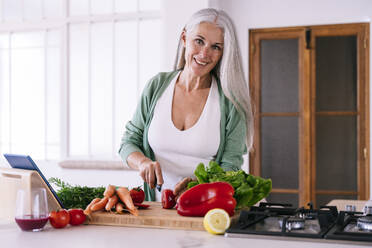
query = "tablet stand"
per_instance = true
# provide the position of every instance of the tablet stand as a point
(13, 179)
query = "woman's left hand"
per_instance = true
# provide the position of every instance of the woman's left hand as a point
(181, 186)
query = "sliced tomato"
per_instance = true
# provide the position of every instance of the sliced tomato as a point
(141, 206)
(168, 199)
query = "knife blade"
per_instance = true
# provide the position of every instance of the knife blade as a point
(158, 186)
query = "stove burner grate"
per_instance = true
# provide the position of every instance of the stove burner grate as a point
(292, 223)
(284, 220)
(365, 223)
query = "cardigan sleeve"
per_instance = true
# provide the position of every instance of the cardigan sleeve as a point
(235, 141)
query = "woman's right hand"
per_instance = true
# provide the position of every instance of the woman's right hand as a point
(150, 171)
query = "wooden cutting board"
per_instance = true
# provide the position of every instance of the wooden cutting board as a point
(154, 217)
(341, 204)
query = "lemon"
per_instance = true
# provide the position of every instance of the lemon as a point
(216, 221)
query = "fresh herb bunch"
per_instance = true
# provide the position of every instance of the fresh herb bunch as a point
(76, 196)
(249, 189)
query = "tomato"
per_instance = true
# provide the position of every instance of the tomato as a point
(59, 219)
(137, 194)
(168, 199)
(77, 216)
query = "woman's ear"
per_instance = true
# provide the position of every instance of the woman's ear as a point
(183, 38)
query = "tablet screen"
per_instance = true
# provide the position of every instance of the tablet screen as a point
(26, 163)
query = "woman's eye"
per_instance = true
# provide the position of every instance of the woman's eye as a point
(216, 48)
(199, 41)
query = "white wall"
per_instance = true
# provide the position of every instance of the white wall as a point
(177, 13)
(251, 14)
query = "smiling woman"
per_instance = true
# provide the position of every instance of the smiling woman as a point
(204, 47)
(199, 112)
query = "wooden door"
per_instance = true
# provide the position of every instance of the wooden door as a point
(310, 97)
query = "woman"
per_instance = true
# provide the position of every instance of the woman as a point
(199, 112)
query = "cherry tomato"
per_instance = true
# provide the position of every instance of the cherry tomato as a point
(168, 199)
(77, 216)
(59, 219)
(137, 194)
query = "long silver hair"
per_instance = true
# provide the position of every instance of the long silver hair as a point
(229, 69)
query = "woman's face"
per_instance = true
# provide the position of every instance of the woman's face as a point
(204, 47)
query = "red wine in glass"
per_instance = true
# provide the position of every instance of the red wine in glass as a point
(31, 209)
(31, 223)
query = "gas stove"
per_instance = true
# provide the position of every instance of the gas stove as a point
(352, 225)
(282, 220)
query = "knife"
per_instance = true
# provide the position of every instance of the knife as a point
(158, 186)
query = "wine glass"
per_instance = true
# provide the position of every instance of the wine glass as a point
(32, 209)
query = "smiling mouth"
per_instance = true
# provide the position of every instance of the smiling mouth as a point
(200, 62)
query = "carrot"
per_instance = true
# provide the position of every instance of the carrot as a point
(87, 210)
(119, 208)
(109, 191)
(111, 202)
(125, 197)
(99, 205)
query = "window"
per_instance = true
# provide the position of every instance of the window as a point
(71, 73)
(30, 88)
(311, 98)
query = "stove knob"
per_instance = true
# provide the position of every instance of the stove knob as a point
(350, 208)
(289, 226)
(367, 210)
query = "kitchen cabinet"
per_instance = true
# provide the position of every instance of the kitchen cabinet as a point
(310, 92)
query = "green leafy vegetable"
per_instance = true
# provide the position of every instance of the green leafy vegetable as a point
(192, 184)
(201, 174)
(249, 189)
(76, 196)
(214, 168)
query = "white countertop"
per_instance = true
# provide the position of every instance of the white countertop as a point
(92, 236)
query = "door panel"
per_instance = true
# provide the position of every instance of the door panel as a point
(278, 66)
(279, 148)
(279, 75)
(310, 95)
(336, 73)
(336, 153)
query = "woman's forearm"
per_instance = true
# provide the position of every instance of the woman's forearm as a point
(135, 159)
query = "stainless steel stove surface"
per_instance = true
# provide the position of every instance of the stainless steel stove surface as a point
(283, 220)
(275, 224)
(351, 225)
(325, 223)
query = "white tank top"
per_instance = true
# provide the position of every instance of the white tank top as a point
(179, 152)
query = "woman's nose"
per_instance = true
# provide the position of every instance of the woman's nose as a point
(204, 51)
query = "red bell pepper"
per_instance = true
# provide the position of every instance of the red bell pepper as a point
(201, 198)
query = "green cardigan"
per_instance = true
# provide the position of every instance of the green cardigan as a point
(232, 132)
